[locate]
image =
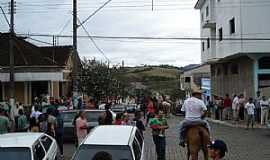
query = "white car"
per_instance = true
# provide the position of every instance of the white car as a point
(113, 142)
(28, 146)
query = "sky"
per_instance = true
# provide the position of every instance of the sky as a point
(125, 18)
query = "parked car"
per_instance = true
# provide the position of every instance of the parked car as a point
(117, 142)
(28, 146)
(118, 108)
(131, 108)
(92, 117)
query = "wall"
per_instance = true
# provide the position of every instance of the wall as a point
(233, 83)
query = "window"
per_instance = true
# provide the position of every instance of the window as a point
(46, 142)
(187, 79)
(137, 150)
(225, 69)
(264, 63)
(234, 69)
(232, 26)
(218, 71)
(39, 153)
(207, 11)
(220, 34)
(139, 138)
(202, 17)
(208, 42)
(203, 46)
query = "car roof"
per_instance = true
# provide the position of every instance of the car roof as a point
(110, 135)
(19, 139)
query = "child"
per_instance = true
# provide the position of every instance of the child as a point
(159, 125)
(250, 107)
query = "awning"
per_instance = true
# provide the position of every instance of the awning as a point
(34, 76)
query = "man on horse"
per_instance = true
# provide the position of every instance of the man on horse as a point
(195, 110)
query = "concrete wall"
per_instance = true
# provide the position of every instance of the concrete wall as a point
(233, 83)
(251, 21)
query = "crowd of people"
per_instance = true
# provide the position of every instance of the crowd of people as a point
(240, 108)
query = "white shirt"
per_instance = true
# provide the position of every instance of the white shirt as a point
(250, 107)
(264, 104)
(235, 103)
(35, 114)
(194, 108)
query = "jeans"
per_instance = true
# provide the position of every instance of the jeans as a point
(251, 119)
(160, 143)
(227, 113)
(59, 140)
(258, 114)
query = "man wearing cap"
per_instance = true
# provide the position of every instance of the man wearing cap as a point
(195, 110)
(217, 149)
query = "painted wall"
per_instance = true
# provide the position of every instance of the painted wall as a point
(251, 21)
(242, 82)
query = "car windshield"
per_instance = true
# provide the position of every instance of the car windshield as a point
(15, 153)
(93, 116)
(69, 116)
(91, 152)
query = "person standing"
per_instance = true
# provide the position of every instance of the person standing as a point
(217, 149)
(108, 115)
(4, 122)
(139, 122)
(81, 127)
(36, 113)
(22, 122)
(264, 110)
(158, 125)
(235, 108)
(242, 102)
(150, 109)
(250, 107)
(227, 107)
(59, 131)
(51, 122)
(258, 107)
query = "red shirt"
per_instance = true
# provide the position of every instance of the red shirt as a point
(150, 107)
(118, 122)
(227, 102)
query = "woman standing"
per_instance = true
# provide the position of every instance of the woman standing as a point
(81, 127)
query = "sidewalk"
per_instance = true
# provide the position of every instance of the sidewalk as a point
(239, 124)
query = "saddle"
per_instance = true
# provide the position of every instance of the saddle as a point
(191, 124)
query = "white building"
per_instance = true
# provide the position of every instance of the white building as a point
(236, 44)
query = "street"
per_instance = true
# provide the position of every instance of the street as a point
(242, 144)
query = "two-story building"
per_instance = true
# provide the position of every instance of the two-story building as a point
(38, 70)
(235, 41)
(194, 78)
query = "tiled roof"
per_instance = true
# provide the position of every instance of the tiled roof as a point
(28, 54)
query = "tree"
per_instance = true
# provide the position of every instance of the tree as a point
(97, 80)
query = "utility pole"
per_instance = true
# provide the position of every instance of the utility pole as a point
(11, 60)
(75, 55)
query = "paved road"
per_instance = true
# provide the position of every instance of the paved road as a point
(243, 144)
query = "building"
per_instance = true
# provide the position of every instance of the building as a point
(38, 70)
(234, 43)
(194, 78)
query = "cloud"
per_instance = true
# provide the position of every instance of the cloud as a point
(48, 16)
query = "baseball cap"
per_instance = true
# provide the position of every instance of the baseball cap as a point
(218, 145)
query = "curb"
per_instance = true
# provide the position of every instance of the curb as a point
(233, 125)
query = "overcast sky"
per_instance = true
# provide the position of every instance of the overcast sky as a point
(170, 18)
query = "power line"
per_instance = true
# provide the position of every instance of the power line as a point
(95, 12)
(148, 38)
(93, 41)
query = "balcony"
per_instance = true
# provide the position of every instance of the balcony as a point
(209, 24)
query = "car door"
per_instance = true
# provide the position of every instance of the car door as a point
(140, 141)
(136, 150)
(39, 152)
(50, 147)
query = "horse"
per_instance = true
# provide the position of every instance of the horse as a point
(197, 138)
